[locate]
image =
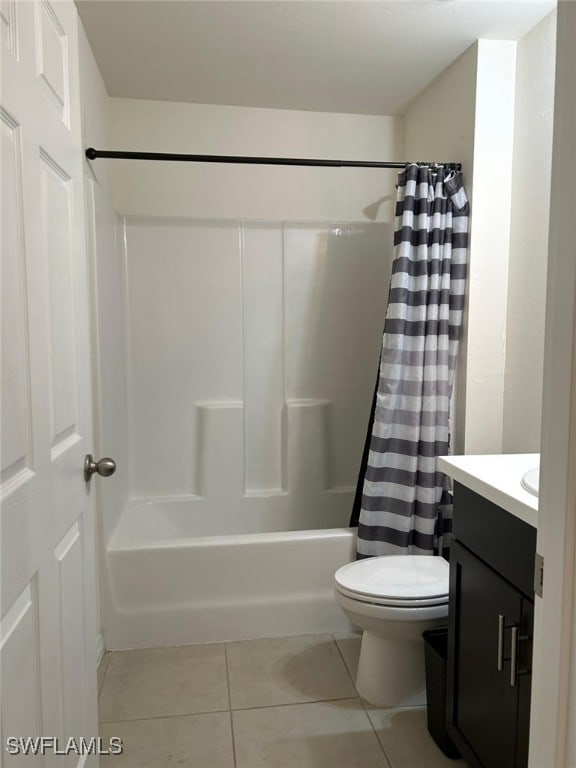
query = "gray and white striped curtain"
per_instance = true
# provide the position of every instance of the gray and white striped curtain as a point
(404, 500)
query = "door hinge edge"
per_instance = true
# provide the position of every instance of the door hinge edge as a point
(538, 574)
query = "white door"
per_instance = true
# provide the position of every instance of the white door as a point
(47, 548)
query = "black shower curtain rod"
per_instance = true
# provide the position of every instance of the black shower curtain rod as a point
(94, 154)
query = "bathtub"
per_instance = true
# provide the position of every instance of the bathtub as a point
(171, 581)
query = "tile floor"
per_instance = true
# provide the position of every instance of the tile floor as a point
(285, 702)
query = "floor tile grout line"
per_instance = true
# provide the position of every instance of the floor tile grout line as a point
(248, 709)
(230, 705)
(241, 709)
(164, 717)
(316, 635)
(296, 703)
(227, 677)
(363, 703)
(108, 661)
(345, 665)
(378, 739)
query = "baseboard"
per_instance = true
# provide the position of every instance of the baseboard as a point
(100, 648)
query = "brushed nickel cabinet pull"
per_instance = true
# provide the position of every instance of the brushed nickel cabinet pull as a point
(500, 650)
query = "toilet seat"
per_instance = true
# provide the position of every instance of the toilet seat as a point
(391, 602)
(402, 581)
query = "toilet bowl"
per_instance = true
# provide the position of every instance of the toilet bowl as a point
(393, 599)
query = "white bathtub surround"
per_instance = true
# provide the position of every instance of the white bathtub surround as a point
(242, 337)
(174, 589)
(497, 477)
(244, 420)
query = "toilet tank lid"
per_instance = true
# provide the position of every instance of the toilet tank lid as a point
(399, 576)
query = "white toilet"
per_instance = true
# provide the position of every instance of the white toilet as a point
(393, 599)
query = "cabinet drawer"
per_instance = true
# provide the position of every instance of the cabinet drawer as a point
(503, 541)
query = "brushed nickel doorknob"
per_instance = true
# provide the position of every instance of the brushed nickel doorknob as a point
(105, 467)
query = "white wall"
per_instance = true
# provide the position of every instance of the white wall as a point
(446, 138)
(252, 192)
(533, 123)
(489, 246)
(467, 115)
(107, 311)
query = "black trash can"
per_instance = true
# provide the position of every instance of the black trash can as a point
(435, 655)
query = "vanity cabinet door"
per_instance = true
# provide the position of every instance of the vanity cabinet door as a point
(483, 705)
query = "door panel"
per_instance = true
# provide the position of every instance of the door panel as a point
(21, 672)
(56, 207)
(486, 704)
(8, 25)
(52, 58)
(47, 539)
(70, 563)
(16, 435)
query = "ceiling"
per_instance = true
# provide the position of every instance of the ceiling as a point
(330, 56)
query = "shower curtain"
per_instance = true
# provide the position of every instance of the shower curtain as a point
(403, 504)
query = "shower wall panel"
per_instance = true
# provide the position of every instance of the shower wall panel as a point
(253, 355)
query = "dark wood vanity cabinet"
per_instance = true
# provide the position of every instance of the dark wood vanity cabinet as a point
(490, 633)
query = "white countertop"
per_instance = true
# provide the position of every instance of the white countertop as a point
(497, 478)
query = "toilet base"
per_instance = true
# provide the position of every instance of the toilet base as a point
(391, 671)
